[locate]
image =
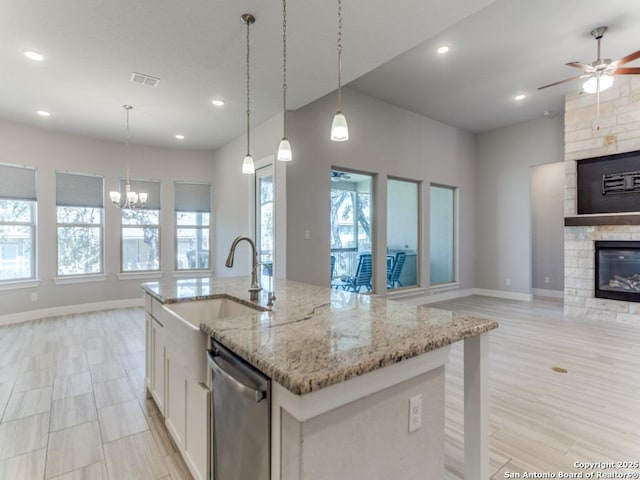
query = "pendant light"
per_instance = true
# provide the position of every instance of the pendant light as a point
(284, 149)
(131, 199)
(247, 164)
(339, 128)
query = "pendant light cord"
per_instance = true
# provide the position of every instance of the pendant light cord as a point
(127, 108)
(284, 67)
(248, 88)
(339, 55)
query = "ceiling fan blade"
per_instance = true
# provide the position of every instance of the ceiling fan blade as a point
(580, 65)
(629, 58)
(627, 71)
(562, 81)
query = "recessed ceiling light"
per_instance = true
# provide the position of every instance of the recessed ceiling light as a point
(43, 113)
(32, 55)
(218, 102)
(520, 97)
(441, 50)
(179, 136)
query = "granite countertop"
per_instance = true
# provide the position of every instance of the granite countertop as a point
(314, 337)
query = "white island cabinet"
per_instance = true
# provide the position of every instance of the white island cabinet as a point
(357, 381)
(176, 377)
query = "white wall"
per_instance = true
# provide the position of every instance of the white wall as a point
(233, 197)
(49, 151)
(547, 226)
(503, 203)
(384, 140)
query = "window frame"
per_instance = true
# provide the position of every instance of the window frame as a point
(419, 217)
(123, 226)
(99, 225)
(202, 227)
(32, 225)
(455, 230)
(31, 198)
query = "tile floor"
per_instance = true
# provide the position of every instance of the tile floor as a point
(73, 405)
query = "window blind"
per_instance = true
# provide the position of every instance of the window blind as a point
(17, 183)
(192, 197)
(151, 187)
(78, 190)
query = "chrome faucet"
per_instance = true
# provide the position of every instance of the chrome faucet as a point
(255, 287)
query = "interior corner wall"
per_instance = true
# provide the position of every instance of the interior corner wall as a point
(503, 202)
(233, 209)
(49, 151)
(384, 140)
(547, 226)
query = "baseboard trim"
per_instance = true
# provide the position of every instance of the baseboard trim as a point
(438, 297)
(542, 292)
(69, 310)
(523, 297)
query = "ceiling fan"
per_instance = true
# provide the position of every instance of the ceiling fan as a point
(599, 73)
(339, 176)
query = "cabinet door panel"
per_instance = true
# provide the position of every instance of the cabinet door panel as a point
(198, 445)
(158, 373)
(176, 401)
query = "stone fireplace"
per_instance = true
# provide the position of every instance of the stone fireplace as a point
(617, 131)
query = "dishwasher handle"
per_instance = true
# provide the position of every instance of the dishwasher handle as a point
(217, 367)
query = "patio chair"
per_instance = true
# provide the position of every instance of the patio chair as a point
(362, 278)
(393, 276)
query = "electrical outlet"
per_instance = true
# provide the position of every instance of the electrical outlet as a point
(307, 234)
(507, 281)
(415, 413)
(547, 280)
(34, 296)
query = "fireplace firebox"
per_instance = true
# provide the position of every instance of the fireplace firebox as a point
(617, 270)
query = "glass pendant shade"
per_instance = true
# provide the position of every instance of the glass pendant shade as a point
(339, 128)
(142, 197)
(591, 85)
(247, 165)
(284, 150)
(115, 197)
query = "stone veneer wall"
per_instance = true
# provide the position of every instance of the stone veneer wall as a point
(619, 132)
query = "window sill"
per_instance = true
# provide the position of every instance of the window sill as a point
(192, 273)
(68, 279)
(139, 275)
(13, 285)
(444, 287)
(398, 293)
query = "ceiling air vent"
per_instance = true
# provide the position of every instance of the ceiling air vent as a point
(146, 80)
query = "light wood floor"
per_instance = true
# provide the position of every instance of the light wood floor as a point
(72, 400)
(541, 420)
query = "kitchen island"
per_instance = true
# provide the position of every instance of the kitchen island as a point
(344, 368)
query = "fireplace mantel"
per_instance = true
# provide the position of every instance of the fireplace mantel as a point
(602, 219)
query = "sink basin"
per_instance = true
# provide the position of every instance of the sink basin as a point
(198, 311)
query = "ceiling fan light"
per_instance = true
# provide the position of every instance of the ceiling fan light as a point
(339, 128)
(284, 150)
(247, 165)
(591, 85)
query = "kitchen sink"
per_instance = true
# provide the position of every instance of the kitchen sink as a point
(195, 312)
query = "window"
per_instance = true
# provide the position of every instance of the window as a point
(403, 225)
(442, 235)
(141, 230)
(351, 231)
(264, 217)
(17, 223)
(79, 212)
(193, 214)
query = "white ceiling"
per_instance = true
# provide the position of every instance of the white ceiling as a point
(510, 47)
(196, 48)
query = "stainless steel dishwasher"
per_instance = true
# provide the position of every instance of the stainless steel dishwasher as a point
(241, 418)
